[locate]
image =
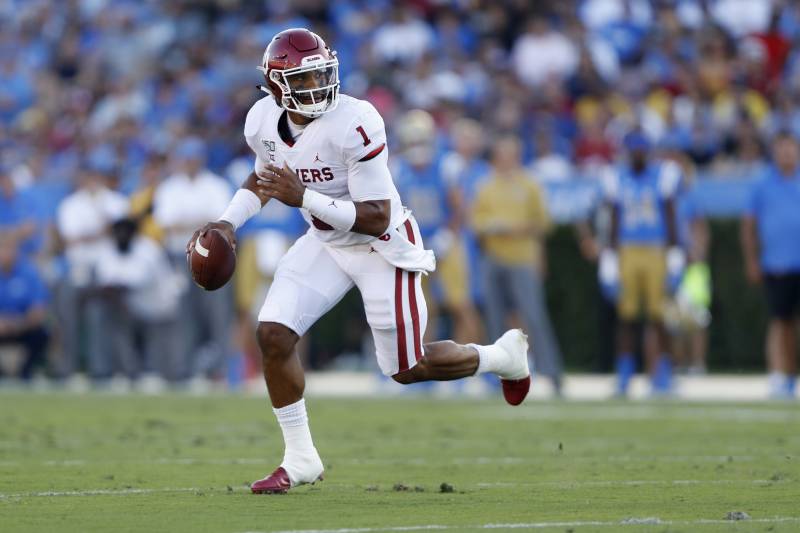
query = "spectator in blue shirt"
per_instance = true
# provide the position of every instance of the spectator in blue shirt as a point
(23, 298)
(771, 245)
(16, 213)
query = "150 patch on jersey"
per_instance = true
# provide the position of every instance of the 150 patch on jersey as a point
(270, 146)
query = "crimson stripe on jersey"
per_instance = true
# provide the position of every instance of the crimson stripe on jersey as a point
(402, 356)
(373, 154)
(412, 297)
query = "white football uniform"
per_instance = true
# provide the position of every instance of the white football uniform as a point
(325, 263)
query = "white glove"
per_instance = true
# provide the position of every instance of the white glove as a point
(676, 261)
(609, 267)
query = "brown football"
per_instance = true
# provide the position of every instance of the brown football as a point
(212, 260)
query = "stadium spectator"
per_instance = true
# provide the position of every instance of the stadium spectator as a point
(143, 199)
(187, 198)
(593, 148)
(549, 165)
(17, 212)
(184, 201)
(420, 180)
(83, 220)
(463, 170)
(417, 175)
(403, 39)
(511, 220)
(741, 17)
(772, 253)
(542, 52)
(23, 311)
(140, 293)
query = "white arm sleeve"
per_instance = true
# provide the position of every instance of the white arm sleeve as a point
(339, 214)
(244, 205)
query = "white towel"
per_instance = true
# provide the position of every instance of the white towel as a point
(400, 252)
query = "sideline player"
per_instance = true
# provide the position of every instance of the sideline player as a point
(643, 255)
(325, 153)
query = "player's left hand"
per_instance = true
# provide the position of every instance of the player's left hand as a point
(282, 184)
(676, 264)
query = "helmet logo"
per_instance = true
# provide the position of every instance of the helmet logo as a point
(312, 59)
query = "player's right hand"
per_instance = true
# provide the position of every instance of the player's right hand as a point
(225, 227)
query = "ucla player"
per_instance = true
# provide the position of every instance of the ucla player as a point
(643, 254)
(325, 154)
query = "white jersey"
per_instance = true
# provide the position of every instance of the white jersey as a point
(325, 156)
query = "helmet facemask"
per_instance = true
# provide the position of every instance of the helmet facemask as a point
(311, 89)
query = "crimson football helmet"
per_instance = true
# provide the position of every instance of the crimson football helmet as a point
(301, 72)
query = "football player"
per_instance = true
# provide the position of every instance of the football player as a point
(326, 154)
(643, 254)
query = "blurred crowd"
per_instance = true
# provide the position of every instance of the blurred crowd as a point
(121, 132)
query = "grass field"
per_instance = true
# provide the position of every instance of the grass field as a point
(179, 463)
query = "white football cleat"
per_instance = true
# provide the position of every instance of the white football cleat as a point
(293, 472)
(302, 469)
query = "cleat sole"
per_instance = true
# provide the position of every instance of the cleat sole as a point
(515, 391)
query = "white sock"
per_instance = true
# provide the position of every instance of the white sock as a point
(490, 358)
(300, 459)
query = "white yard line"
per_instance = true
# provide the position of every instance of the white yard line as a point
(537, 525)
(94, 492)
(666, 412)
(411, 461)
(634, 483)
(148, 461)
(561, 484)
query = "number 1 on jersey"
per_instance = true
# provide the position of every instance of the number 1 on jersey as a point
(363, 133)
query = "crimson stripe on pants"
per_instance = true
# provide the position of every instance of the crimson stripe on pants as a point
(400, 322)
(410, 231)
(412, 297)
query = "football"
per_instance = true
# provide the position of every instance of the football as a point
(212, 260)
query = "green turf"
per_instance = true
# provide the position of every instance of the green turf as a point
(535, 464)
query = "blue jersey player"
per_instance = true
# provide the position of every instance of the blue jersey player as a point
(643, 254)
